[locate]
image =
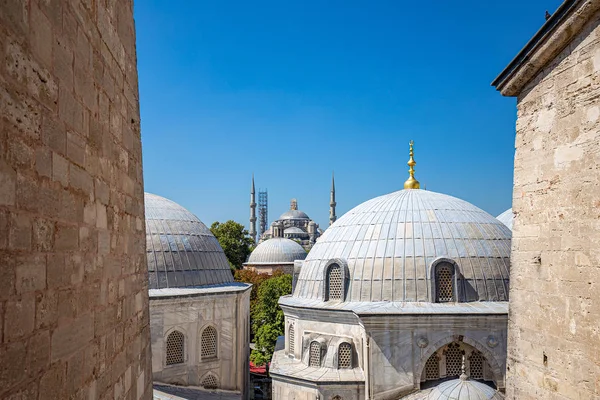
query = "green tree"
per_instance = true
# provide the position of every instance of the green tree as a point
(235, 241)
(267, 317)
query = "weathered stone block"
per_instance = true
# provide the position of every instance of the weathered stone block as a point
(21, 314)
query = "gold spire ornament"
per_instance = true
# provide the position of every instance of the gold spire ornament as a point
(411, 182)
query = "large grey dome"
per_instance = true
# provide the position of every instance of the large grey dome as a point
(507, 218)
(390, 242)
(277, 251)
(294, 214)
(181, 250)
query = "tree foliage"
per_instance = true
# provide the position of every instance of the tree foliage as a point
(235, 241)
(267, 317)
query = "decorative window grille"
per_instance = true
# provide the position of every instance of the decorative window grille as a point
(345, 355)
(208, 342)
(432, 367)
(476, 365)
(175, 343)
(291, 339)
(444, 283)
(210, 382)
(453, 360)
(314, 359)
(334, 283)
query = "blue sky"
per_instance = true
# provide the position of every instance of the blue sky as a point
(291, 91)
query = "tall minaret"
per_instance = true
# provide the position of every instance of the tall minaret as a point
(252, 212)
(332, 203)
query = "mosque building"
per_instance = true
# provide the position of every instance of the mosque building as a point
(199, 317)
(403, 294)
(293, 224)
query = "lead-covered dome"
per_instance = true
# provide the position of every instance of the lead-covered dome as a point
(277, 251)
(507, 218)
(181, 250)
(294, 214)
(387, 247)
(461, 389)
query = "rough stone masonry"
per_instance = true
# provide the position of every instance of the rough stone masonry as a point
(554, 317)
(73, 288)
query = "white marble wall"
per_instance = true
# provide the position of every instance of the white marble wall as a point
(228, 313)
(391, 350)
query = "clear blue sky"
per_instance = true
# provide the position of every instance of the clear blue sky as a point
(295, 90)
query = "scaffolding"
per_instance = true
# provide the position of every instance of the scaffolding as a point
(263, 205)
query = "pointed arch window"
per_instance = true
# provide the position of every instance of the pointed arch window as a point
(432, 367)
(210, 382)
(208, 343)
(291, 339)
(345, 355)
(175, 348)
(335, 283)
(314, 359)
(444, 283)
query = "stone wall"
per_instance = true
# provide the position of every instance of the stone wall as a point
(73, 287)
(554, 318)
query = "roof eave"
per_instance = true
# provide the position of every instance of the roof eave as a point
(558, 31)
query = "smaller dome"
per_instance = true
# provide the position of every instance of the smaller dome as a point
(277, 251)
(463, 389)
(294, 214)
(506, 218)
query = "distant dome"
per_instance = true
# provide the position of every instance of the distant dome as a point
(277, 251)
(390, 242)
(181, 250)
(507, 218)
(294, 214)
(459, 389)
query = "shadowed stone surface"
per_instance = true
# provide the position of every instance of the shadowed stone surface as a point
(73, 294)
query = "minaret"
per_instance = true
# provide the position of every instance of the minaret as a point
(332, 203)
(411, 182)
(252, 212)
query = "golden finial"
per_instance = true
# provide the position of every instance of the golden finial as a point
(411, 182)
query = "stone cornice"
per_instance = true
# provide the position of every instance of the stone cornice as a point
(560, 29)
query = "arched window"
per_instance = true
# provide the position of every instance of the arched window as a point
(314, 356)
(337, 397)
(210, 382)
(175, 348)
(444, 283)
(335, 284)
(476, 365)
(345, 355)
(454, 356)
(291, 339)
(208, 343)
(432, 367)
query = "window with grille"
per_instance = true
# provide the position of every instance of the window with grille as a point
(432, 367)
(444, 276)
(175, 343)
(345, 355)
(291, 339)
(210, 382)
(208, 342)
(453, 360)
(334, 283)
(476, 365)
(314, 359)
